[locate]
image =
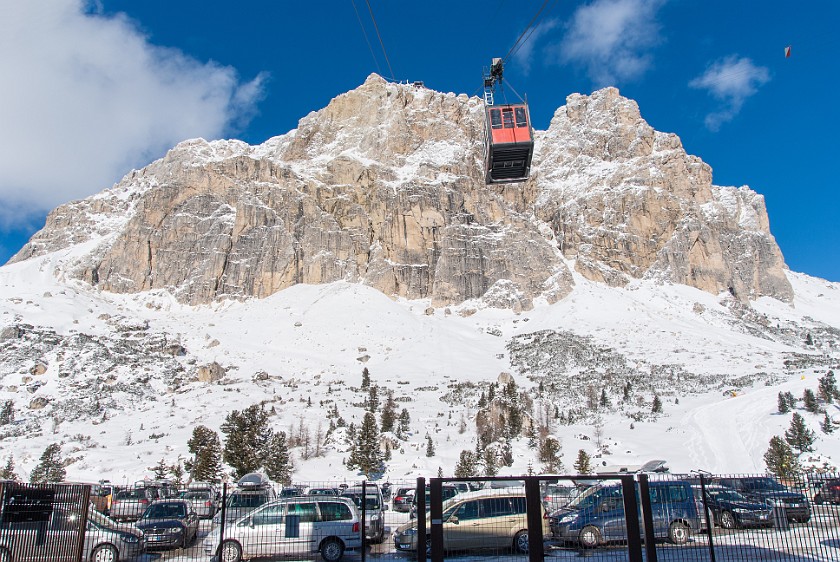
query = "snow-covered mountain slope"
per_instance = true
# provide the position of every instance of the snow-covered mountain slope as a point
(117, 382)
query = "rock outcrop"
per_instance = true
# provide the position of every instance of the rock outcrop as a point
(385, 187)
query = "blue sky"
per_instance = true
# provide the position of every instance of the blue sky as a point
(93, 89)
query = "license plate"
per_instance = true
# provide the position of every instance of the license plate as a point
(794, 505)
(154, 538)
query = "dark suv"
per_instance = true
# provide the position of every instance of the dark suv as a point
(767, 490)
(829, 492)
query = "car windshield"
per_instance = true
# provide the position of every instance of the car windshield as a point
(165, 510)
(195, 495)
(371, 502)
(764, 484)
(101, 521)
(592, 496)
(247, 500)
(727, 495)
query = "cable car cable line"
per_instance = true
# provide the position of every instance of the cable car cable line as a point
(364, 33)
(376, 27)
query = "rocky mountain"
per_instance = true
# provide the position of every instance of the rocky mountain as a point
(385, 187)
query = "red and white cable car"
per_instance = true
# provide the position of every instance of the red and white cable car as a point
(508, 138)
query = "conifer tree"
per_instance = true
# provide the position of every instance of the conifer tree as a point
(790, 400)
(626, 392)
(405, 422)
(160, 470)
(827, 387)
(657, 405)
(373, 398)
(430, 446)
(491, 465)
(604, 402)
(780, 459)
(177, 472)
(550, 454)
(365, 378)
(467, 465)
(278, 462)
(50, 467)
(7, 412)
(367, 455)
(247, 434)
(782, 404)
(798, 435)
(583, 463)
(440, 472)
(206, 448)
(809, 401)
(389, 414)
(8, 471)
(827, 426)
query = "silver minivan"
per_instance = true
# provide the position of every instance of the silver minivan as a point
(290, 526)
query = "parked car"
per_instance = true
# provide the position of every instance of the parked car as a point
(559, 494)
(447, 491)
(323, 492)
(731, 509)
(374, 509)
(291, 492)
(130, 503)
(478, 520)
(767, 490)
(403, 496)
(829, 492)
(168, 524)
(291, 526)
(203, 501)
(55, 538)
(597, 516)
(252, 491)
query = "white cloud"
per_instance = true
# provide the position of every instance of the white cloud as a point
(731, 81)
(524, 55)
(85, 98)
(611, 39)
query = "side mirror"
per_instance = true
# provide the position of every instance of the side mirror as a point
(453, 520)
(251, 522)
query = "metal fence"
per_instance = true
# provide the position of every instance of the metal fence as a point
(621, 517)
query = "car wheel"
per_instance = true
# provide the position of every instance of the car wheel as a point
(230, 551)
(520, 542)
(589, 537)
(332, 550)
(678, 532)
(102, 553)
(727, 520)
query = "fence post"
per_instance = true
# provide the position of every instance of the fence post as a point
(536, 547)
(436, 514)
(364, 519)
(647, 517)
(420, 500)
(222, 521)
(709, 521)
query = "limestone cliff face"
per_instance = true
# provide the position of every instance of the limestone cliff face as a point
(385, 186)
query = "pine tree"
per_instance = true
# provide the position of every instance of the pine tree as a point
(808, 339)
(440, 472)
(604, 402)
(278, 462)
(405, 422)
(798, 435)
(7, 412)
(8, 471)
(50, 467)
(389, 414)
(367, 455)
(626, 392)
(551, 453)
(466, 467)
(782, 404)
(365, 378)
(206, 448)
(827, 426)
(430, 446)
(809, 401)
(246, 436)
(780, 459)
(583, 463)
(177, 472)
(657, 405)
(791, 401)
(491, 466)
(827, 387)
(373, 399)
(160, 470)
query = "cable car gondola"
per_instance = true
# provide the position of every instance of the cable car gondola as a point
(508, 138)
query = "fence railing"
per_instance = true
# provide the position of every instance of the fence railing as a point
(623, 517)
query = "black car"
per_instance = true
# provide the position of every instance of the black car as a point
(829, 492)
(168, 524)
(731, 509)
(766, 490)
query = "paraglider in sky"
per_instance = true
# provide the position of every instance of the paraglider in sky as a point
(787, 52)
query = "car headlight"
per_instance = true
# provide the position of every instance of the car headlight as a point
(374, 517)
(567, 519)
(411, 531)
(130, 539)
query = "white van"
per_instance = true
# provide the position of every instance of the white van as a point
(290, 526)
